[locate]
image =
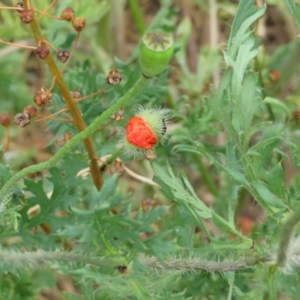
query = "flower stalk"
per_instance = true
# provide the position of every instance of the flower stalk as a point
(77, 118)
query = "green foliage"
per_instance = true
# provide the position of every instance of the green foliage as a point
(184, 234)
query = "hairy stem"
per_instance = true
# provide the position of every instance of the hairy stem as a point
(78, 120)
(198, 264)
(138, 86)
(13, 259)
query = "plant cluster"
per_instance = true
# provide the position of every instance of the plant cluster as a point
(115, 207)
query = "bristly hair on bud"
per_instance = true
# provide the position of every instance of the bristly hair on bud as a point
(145, 130)
(292, 262)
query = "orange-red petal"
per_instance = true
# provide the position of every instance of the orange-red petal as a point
(140, 134)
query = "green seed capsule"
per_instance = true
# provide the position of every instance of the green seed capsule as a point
(156, 51)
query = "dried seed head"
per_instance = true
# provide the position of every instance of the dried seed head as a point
(122, 269)
(150, 154)
(117, 168)
(78, 24)
(4, 120)
(42, 52)
(114, 77)
(76, 94)
(68, 14)
(117, 116)
(19, 5)
(63, 140)
(31, 110)
(63, 55)
(42, 96)
(26, 15)
(22, 119)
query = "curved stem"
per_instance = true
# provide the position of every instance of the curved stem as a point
(17, 45)
(138, 86)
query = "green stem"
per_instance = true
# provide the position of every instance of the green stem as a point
(285, 237)
(138, 86)
(271, 282)
(138, 17)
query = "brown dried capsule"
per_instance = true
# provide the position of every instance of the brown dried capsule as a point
(19, 5)
(76, 94)
(59, 142)
(63, 55)
(22, 119)
(122, 269)
(114, 77)
(4, 120)
(117, 116)
(42, 96)
(78, 24)
(31, 110)
(26, 15)
(68, 14)
(42, 52)
(150, 154)
(117, 168)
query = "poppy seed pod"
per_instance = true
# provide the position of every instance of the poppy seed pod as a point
(156, 50)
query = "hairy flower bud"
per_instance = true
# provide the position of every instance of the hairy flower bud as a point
(156, 51)
(144, 131)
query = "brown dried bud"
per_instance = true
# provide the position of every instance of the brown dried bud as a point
(26, 15)
(4, 120)
(76, 94)
(148, 203)
(150, 154)
(19, 5)
(122, 269)
(31, 110)
(59, 142)
(117, 168)
(42, 96)
(63, 55)
(117, 116)
(22, 119)
(114, 77)
(68, 14)
(78, 24)
(42, 52)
